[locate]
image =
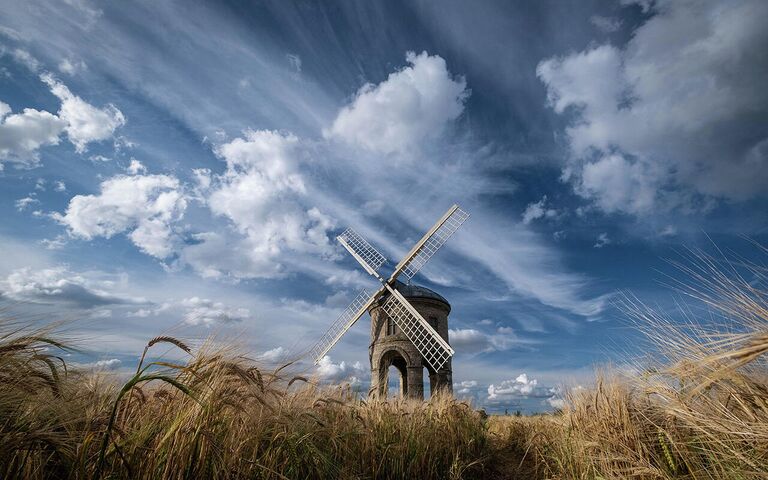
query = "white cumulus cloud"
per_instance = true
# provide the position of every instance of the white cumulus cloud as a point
(465, 388)
(24, 203)
(274, 355)
(673, 119)
(411, 105)
(263, 194)
(59, 285)
(202, 311)
(22, 134)
(510, 392)
(143, 205)
(352, 373)
(519, 386)
(109, 364)
(470, 340)
(136, 167)
(85, 123)
(538, 210)
(522, 386)
(602, 240)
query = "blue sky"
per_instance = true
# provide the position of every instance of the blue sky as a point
(184, 168)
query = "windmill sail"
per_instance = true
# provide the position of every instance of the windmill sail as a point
(430, 243)
(351, 314)
(434, 349)
(429, 343)
(364, 253)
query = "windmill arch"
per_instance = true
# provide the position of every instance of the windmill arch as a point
(394, 357)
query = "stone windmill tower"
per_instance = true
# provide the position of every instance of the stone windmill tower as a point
(409, 324)
(390, 347)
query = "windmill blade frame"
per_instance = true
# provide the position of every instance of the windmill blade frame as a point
(362, 251)
(344, 322)
(432, 347)
(430, 243)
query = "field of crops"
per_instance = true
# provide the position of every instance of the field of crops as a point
(701, 412)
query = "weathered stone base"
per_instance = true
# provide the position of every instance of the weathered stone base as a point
(391, 348)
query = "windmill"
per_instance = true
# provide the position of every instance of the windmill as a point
(433, 348)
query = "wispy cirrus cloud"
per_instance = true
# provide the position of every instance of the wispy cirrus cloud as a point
(310, 204)
(263, 138)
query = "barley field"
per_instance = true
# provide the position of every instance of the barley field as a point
(699, 410)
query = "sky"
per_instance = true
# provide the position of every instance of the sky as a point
(184, 168)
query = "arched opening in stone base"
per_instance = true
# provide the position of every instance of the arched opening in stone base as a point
(394, 374)
(396, 382)
(436, 381)
(430, 385)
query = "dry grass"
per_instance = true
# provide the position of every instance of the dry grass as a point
(217, 416)
(699, 411)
